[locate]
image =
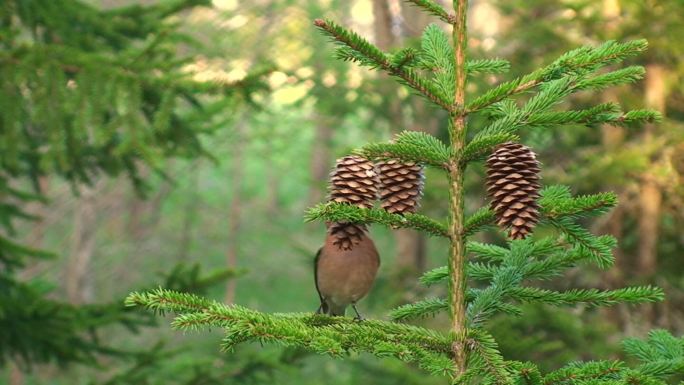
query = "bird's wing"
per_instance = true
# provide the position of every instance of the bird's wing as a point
(318, 255)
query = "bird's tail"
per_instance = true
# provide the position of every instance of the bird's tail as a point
(331, 310)
(323, 309)
(334, 310)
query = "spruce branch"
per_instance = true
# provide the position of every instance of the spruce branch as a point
(526, 373)
(556, 201)
(434, 276)
(492, 299)
(489, 300)
(582, 372)
(433, 8)
(625, 75)
(323, 334)
(481, 146)
(368, 54)
(598, 247)
(409, 146)
(602, 113)
(550, 262)
(589, 297)
(406, 57)
(339, 212)
(535, 114)
(421, 309)
(661, 355)
(636, 117)
(492, 66)
(436, 56)
(579, 61)
(480, 220)
(482, 346)
(354, 42)
(161, 300)
(488, 251)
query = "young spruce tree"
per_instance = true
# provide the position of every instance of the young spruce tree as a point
(482, 279)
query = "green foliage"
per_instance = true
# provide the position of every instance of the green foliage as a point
(87, 93)
(45, 330)
(421, 309)
(579, 62)
(436, 56)
(661, 355)
(339, 212)
(432, 8)
(480, 147)
(479, 221)
(500, 279)
(492, 66)
(410, 146)
(332, 336)
(357, 49)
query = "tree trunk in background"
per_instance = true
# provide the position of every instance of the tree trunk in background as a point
(384, 38)
(414, 20)
(320, 156)
(612, 138)
(36, 236)
(235, 210)
(650, 196)
(77, 281)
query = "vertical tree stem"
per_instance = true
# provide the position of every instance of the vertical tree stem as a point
(457, 131)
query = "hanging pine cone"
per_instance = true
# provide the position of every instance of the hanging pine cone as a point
(401, 186)
(354, 181)
(513, 187)
(347, 235)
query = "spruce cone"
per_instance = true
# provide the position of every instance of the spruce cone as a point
(347, 235)
(354, 181)
(513, 187)
(401, 186)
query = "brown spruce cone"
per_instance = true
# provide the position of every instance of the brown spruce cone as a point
(513, 187)
(401, 186)
(354, 181)
(347, 235)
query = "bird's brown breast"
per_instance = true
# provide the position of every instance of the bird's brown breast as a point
(345, 276)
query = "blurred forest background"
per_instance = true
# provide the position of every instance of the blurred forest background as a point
(178, 143)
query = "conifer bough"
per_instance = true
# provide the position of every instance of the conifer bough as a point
(467, 353)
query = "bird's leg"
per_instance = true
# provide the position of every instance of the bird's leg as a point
(320, 309)
(358, 316)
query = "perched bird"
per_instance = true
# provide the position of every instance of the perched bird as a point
(345, 268)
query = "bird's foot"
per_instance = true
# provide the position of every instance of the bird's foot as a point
(358, 317)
